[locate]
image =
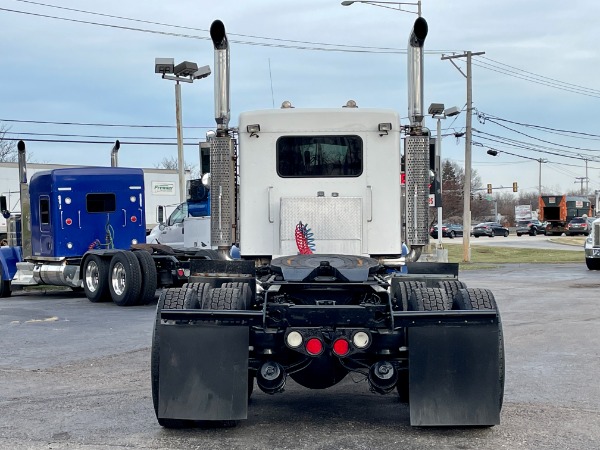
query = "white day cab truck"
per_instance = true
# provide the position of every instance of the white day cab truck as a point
(314, 199)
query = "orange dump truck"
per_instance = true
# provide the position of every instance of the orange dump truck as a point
(558, 210)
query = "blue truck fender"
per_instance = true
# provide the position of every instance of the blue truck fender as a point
(9, 257)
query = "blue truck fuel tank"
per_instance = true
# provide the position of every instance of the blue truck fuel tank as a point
(75, 209)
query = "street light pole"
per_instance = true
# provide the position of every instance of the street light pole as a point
(438, 112)
(438, 157)
(180, 158)
(187, 72)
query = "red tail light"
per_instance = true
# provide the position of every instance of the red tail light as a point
(341, 347)
(314, 346)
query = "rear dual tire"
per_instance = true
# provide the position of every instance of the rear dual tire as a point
(129, 278)
(125, 279)
(95, 279)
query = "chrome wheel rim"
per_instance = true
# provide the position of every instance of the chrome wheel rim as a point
(118, 278)
(92, 275)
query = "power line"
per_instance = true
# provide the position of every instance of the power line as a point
(96, 136)
(340, 47)
(202, 29)
(99, 124)
(71, 141)
(539, 76)
(485, 118)
(549, 129)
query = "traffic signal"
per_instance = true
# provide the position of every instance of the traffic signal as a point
(489, 188)
(515, 186)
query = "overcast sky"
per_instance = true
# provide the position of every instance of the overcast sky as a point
(535, 89)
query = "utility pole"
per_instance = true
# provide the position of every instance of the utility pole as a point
(587, 180)
(541, 160)
(468, 140)
(580, 180)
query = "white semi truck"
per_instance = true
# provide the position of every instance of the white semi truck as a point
(314, 199)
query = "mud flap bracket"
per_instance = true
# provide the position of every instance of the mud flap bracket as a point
(203, 372)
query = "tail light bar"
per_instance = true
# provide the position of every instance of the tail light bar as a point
(311, 342)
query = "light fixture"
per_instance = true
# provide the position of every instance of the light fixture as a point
(164, 65)
(435, 109)
(253, 129)
(384, 128)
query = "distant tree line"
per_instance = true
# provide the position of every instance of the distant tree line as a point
(483, 205)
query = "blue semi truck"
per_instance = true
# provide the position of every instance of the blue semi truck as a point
(85, 228)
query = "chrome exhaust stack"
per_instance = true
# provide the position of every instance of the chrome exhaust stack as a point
(416, 148)
(416, 42)
(219, 38)
(114, 156)
(222, 151)
(25, 205)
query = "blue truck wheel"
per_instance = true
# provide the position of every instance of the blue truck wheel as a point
(125, 279)
(95, 279)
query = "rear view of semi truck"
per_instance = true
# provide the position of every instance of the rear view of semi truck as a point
(318, 293)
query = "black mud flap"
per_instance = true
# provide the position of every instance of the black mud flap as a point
(203, 372)
(454, 375)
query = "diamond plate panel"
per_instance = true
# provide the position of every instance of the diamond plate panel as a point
(222, 197)
(336, 222)
(416, 151)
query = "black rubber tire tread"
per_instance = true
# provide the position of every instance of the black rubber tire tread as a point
(533, 232)
(452, 235)
(172, 298)
(451, 287)
(592, 263)
(149, 278)
(102, 294)
(429, 299)
(224, 299)
(245, 291)
(470, 299)
(405, 288)
(505, 234)
(196, 301)
(133, 279)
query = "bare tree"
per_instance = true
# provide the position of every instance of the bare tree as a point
(170, 162)
(8, 149)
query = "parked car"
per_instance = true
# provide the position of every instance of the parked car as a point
(490, 229)
(449, 230)
(578, 225)
(530, 227)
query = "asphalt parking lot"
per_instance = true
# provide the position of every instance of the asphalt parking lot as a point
(74, 374)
